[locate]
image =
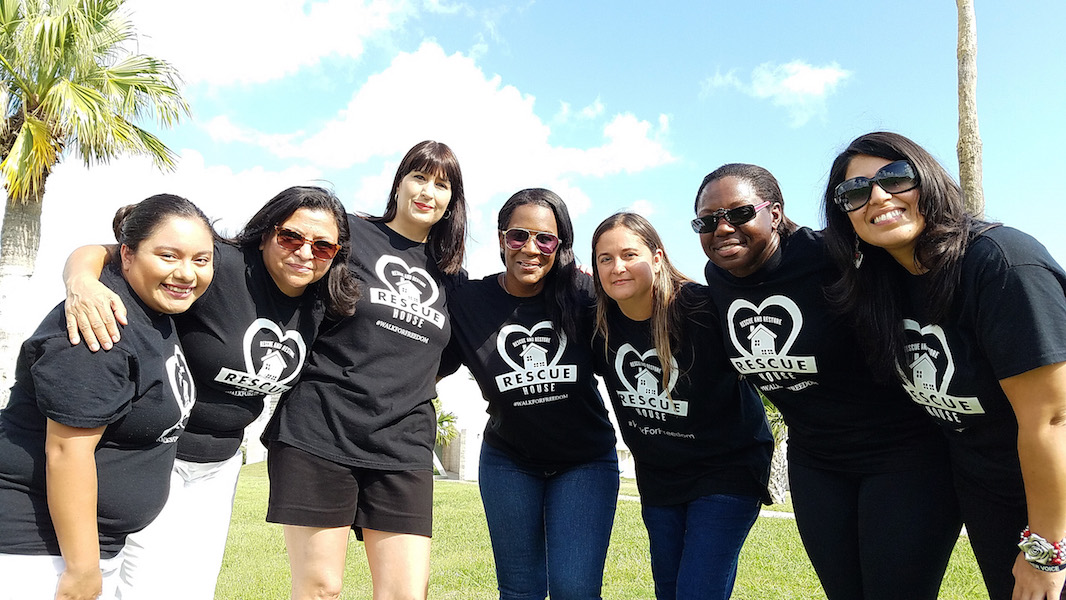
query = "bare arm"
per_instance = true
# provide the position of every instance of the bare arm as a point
(1039, 401)
(91, 307)
(72, 491)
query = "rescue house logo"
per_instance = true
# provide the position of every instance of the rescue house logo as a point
(184, 393)
(272, 359)
(763, 336)
(409, 291)
(928, 372)
(641, 375)
(533, 355)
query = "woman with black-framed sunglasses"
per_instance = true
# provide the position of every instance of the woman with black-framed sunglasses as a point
(857, 450)
(970, 317)
(247, 338)
(548, 465)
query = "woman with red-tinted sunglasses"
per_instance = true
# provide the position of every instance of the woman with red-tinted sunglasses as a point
(971, 318)
(248, 337)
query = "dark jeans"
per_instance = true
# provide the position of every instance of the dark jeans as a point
(549, 531)
(695, 546)
(876, 536)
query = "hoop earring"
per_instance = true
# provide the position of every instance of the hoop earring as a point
(447, 214)
(857, 256)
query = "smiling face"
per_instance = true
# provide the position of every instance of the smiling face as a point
(889, 221)
(421, 199)
(526, 268)
(172, 267)
(739, 249)
(627, 268)
(294, 270)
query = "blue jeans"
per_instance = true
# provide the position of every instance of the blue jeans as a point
(695, 546)
(550, 530)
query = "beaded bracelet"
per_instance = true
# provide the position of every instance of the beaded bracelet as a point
(1042, 554)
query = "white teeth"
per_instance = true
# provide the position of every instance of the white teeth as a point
(892, 214)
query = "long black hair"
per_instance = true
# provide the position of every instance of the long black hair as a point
(446, 243)
(338, 290)
(561, 283)
(871, 294)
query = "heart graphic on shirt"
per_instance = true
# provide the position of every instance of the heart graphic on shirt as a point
(929, 363)
(642, 374)
(524, 349)
(184, 391)
(768, 329)
(273, 354)
(408, 282)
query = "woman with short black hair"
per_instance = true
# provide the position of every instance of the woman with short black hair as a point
(87, 440)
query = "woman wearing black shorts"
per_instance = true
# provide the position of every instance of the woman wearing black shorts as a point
(351, 445)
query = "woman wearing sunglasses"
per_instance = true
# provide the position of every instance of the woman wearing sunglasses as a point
(351, 445)
(548, 465)
(87, 440)
(858, 451)
(698, 433)
(247, 338)
(971, 318)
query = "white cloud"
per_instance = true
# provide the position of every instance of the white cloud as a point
(592, 110)
(255, 41)
(80, 203)
(501, 142)
(644, 208)
(801, 89)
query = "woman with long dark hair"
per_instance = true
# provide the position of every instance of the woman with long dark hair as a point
(87, 441)
(858, 450)
(351, 445)
(548, 464)
(698, 434)
(971, 317)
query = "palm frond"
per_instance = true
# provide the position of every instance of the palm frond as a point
(32, 156)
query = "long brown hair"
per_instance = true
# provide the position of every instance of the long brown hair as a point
(665, 312)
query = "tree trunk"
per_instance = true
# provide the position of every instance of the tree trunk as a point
(969, 148)
(778, 486)
(20, 238)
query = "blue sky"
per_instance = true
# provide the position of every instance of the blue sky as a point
(614, 105)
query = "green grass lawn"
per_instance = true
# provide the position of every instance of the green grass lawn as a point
(773, 564)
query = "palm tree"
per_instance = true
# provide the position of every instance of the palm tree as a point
(68, 82)
(778, 485)
(969, 147)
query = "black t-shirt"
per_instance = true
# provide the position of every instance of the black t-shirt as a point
(245, 339)
(706, 433)
(544, 409)
(365, 397)
(1008, 317)
(140, 390)
(782, 334)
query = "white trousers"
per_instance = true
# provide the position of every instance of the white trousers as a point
(24, 577)
(179, 554)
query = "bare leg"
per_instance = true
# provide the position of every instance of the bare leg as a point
(399, 564)
(316, 560)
